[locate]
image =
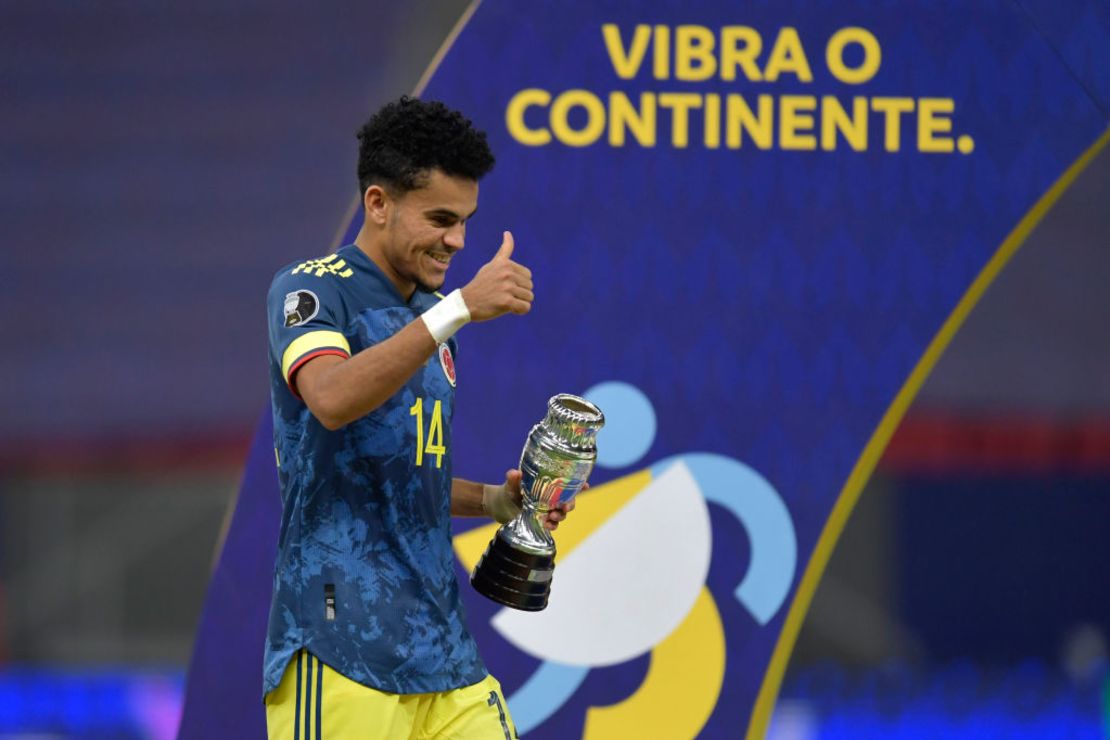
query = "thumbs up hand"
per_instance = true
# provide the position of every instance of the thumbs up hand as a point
(501, 286)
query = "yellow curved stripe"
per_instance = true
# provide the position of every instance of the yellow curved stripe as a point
(772, 680)
(592, 509)
(470, 545)
(314, 340)
(682, 684)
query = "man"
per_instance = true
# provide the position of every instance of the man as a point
(367, 636)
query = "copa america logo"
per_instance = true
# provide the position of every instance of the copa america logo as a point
(612, 566)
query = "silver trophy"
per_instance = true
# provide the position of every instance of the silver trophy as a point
(516, 568)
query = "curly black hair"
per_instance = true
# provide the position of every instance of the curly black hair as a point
(406, 139)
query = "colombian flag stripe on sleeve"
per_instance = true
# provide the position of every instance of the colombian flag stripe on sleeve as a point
(312, 345)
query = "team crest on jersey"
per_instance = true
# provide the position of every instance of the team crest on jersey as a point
(301, 306)
(447, 362)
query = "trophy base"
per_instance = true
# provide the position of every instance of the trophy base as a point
(516, 579)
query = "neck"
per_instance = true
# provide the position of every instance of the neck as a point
(370, 244)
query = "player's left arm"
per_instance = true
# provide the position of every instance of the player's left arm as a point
(500, 503)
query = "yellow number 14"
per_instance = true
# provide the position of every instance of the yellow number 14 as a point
(435, 432)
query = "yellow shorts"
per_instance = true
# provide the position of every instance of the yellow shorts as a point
(313, 702)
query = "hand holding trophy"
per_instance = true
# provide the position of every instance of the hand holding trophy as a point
(559, 454)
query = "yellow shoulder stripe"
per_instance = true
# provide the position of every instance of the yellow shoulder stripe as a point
(311, 342)
(324, 266)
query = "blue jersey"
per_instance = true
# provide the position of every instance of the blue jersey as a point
(365, 574)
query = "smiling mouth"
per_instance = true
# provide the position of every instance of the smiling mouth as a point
(443, 259)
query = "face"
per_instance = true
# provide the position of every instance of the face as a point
(424, 228)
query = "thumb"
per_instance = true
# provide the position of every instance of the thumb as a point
(506, 250)
(512, 485)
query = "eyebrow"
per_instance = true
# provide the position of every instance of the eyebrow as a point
(449, 212)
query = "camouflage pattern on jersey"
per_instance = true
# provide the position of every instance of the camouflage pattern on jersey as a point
(365, 575)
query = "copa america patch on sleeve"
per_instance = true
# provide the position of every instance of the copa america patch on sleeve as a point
(301, 306)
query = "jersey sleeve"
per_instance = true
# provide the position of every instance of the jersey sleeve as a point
(306, 317)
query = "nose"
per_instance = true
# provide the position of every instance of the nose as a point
(455, 236)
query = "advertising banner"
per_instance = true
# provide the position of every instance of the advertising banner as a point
(753, 229)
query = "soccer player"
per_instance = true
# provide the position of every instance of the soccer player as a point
(367, 636)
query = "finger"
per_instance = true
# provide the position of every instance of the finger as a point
(512, 486)
(520, 307)
(506, 250)
(515, 288)
(567, 507)
(524, 281)
(515, 273)
(523, 294)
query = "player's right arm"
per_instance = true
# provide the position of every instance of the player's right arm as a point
(338, 390)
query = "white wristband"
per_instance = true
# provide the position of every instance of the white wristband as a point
(447, 317)
(498, 504)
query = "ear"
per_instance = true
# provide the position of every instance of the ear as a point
(377, 204)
